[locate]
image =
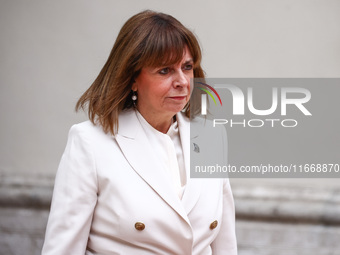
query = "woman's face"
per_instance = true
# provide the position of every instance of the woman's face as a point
(165, 90)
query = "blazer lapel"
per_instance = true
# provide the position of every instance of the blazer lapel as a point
(193, 186)
(138, 151)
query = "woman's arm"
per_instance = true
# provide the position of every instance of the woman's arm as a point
(225, 242)
(74, 198)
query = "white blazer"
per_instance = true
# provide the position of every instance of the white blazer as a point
(106, 184)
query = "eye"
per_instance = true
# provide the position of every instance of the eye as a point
(188, 67)
(165, 70)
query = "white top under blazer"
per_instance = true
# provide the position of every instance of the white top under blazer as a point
(113, 196)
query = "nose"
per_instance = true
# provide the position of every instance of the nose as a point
(181, 79)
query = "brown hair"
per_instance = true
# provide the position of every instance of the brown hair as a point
(146, 39)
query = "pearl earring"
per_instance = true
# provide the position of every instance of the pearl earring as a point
(134, 98)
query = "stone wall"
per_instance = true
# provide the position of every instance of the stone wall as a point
(281, 219)
(271, 219)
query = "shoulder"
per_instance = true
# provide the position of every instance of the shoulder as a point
(83, 126)
(88, 130)
(87, 133)
(86, 127)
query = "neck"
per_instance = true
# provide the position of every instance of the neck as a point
(161, 123)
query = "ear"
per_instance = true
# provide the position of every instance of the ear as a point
(134, 86)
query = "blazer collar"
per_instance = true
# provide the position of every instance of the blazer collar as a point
(138, 151)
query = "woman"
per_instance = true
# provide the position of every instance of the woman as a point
(123, 183)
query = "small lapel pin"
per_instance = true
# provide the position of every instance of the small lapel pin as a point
(196, 148)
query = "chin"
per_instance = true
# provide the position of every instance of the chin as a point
(174, 108)
(177, 110)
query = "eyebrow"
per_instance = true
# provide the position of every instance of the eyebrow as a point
(188, 61)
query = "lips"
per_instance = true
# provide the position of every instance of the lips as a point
(179, 97)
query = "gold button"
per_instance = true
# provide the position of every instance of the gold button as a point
(213, 224)
(139, 226)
